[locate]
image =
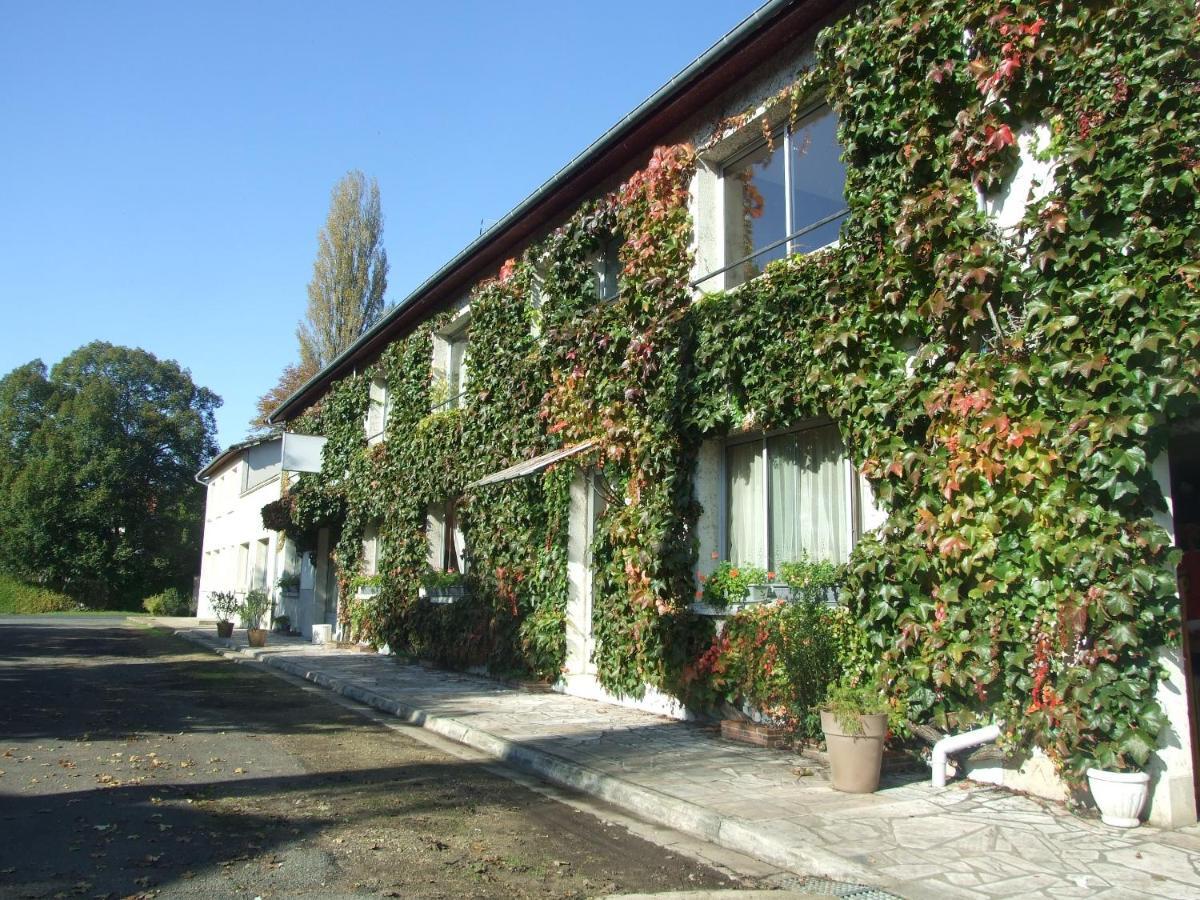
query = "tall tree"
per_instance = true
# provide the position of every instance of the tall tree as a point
(345, 296)
(97, 498)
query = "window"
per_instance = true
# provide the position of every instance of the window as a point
(606, 270)
(451, 366)
(379, 407)
(369, 566)
(788, 496)
(446, 550)
(782, 198)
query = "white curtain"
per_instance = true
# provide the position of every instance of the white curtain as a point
(745, 521)
(810, 502)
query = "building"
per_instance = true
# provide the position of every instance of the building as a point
(902, 288)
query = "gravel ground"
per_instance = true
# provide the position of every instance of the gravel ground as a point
(133, 765)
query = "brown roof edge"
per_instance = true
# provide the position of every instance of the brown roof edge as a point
(747, 46)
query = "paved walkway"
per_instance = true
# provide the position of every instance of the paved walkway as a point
(966, 841)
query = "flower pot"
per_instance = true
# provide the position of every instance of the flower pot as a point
(256, 637)
(225, 630)
(855, 759)
(1119, 795)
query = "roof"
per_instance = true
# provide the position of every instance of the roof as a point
(228, 453)
(764, 32)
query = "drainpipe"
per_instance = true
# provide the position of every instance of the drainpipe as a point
(955, 742)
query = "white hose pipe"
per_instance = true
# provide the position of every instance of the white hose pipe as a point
(955, 742)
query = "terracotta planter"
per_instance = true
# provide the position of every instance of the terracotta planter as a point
(225, 630)
(1120, 796)
(855, 759)
(256, 637)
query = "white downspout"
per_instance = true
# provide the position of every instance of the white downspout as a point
(955, 742)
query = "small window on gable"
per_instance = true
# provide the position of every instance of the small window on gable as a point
(782, 197)
(378, 409)
(451, 365)
(606, 270)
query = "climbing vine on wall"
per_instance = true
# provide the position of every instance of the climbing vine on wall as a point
(1003, 392)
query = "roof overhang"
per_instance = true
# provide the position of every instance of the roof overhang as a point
(752, 42)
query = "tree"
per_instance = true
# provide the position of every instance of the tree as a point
(345, 296)
(97, 498)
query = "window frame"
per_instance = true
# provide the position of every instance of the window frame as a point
(384, 405)
(456, 367)
(854, 487)
(781, 134)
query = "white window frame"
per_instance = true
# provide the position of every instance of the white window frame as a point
(379, 410)
(853, 487)
(451, 361)
(725, 276)
(605, 263)
(445, 535)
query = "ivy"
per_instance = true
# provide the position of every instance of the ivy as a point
(1002, 392)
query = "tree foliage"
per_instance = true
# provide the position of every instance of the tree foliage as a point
(345, 296)
(97, 498)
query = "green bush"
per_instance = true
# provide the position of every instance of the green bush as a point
(18, 598)
(779, 659)
(171, 602)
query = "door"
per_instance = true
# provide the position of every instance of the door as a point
(587, 505)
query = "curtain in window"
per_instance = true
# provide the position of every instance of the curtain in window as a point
(810, 502)
(745, 486)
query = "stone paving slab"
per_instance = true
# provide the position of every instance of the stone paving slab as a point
(967, 840)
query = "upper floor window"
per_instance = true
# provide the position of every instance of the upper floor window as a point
(789, 496)
(451, 365)
(447, 550)
(783, 197)
(378, 409)
(606, 270)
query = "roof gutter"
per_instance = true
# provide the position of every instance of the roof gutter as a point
(520, 223)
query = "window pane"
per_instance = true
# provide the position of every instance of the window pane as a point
(818, 180)
(755, 211)
(745, 521)
(810, 502)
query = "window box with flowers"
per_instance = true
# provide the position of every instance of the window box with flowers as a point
(443, 588)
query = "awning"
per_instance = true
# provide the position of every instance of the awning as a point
(532, 466)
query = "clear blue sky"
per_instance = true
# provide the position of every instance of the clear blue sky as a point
(165, 167)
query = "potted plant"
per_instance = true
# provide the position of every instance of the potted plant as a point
(726, 589)
(289, 583)
(254, 607)
(854, 718)
(1120, 790)
(224, 606)
(281, 625)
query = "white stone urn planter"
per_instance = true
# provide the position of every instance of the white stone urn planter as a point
(1120, 796)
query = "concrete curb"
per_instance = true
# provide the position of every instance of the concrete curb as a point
(731, 832)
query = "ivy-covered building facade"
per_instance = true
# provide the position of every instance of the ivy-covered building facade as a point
(896, 297)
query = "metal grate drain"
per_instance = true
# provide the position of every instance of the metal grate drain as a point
(826, 887)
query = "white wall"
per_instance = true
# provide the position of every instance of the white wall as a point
(233, 517)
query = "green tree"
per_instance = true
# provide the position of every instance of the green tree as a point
(345, 296)
(97, 498)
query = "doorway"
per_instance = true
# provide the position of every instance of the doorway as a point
(587, 506)
(1184, 457)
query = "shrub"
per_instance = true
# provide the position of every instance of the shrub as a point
(254, 607)
(779, 659)
(19, 598)
(171, 602)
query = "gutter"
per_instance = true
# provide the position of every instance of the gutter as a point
(617, 139)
